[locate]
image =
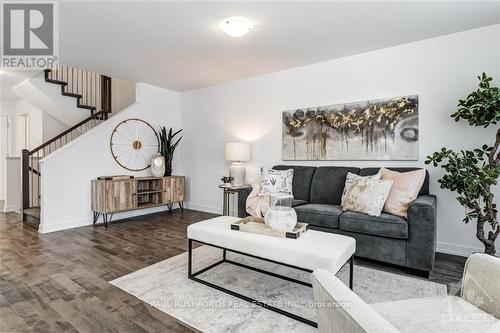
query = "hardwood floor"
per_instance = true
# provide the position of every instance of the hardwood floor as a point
(58, 282)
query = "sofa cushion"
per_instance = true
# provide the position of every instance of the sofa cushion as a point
(423, 190)
(328, 184)
(320, 215)
(385, 225)
(302, 176)
(297, 202)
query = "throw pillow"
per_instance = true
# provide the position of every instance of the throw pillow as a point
(367, 195)
(405, 188)
(275, 181)
(351, 177)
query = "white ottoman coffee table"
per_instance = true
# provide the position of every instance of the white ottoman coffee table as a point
(312, 250)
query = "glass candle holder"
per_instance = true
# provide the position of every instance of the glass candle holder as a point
(281, 215)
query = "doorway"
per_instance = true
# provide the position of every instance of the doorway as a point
(23, 133)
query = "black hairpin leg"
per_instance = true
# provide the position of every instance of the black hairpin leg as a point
(170, 206)
(96, 217)
(181, 206)
(351, 271)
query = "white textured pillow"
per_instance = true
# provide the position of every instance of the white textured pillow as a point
(275, 181)
(367, 195)
(350, 178)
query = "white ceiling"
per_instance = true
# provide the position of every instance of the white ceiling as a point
(178, 45)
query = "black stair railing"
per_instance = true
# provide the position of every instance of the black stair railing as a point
(92, 92)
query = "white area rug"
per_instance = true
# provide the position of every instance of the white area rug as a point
(165, 286)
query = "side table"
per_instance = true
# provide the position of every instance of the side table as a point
(228, 192)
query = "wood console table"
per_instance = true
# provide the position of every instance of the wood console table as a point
(114, 196)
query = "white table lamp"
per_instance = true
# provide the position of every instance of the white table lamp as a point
(237, 152)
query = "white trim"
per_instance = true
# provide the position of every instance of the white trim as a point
(87, 221)
(207, 209)
(63, 225)
(456, 249)
(12, 208)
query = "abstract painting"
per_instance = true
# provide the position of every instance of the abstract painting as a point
(383, 129)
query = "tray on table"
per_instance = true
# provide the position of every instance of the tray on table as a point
(257, 225)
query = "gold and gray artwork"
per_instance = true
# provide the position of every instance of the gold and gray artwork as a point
(384, 129)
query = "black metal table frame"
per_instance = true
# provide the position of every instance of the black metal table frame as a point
(193, 276)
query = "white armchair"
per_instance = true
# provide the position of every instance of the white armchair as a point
(339, 310)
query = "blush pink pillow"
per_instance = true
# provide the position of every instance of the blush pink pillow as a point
(404, 190)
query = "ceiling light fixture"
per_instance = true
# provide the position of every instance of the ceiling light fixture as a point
(236, 26)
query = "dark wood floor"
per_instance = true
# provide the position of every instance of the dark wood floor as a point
(58, 282)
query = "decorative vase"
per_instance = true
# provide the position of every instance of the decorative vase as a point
(158, 165)
(281, 215)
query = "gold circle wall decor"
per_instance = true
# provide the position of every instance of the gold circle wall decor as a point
(133, 144)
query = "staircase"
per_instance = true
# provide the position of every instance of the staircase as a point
(92, 94)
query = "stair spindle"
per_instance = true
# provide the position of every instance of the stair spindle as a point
(38, 178)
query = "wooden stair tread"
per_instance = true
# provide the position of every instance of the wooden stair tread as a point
(33, 212)
(90, 107)
(62, 83)
(72, 95)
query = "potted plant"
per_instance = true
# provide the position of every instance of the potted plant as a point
(226, 181)
(472, 173)
(167, 147)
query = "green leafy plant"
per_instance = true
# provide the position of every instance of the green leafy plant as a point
(472, 173)
(227, 179)
(167, 147)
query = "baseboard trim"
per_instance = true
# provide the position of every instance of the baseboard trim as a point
(86, 221)
(15, 209)
(458, 250)
(207, 209)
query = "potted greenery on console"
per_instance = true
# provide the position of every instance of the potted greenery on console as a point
(167, 147)
(472, 173)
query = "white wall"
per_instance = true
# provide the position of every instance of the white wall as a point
(439, 70)
(7, 111)
(67, 172)
(35, 124)
(51, 127)
(122, 94)
(13, 185)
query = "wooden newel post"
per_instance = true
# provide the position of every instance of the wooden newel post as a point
(106, 95)
(25, 179)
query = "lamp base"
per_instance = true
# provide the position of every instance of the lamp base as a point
(238, 172)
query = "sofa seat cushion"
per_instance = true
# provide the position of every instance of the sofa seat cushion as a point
(385, 225)
(298, 202)
(450, 314)
(319, 215)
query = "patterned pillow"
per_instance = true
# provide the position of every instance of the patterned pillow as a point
(275, 181)
(350, 178)
(367, 195)
(405, 188)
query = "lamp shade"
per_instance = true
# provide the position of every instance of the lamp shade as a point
(237, 151)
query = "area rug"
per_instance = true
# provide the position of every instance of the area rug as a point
(165, 286)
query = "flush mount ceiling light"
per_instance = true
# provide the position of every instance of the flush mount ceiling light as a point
(236, 26)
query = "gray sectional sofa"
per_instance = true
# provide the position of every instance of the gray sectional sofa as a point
(387, 238)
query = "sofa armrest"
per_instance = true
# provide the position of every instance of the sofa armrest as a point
(480, 283)
(339, 309)
(242, 201)
(422, 226)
